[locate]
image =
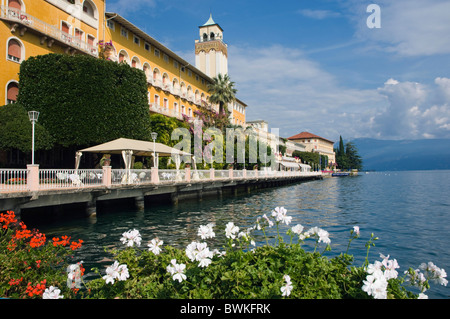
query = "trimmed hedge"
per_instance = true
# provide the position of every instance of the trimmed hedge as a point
(83, 100)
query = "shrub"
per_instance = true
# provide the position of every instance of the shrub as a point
(32, 265)
(85, 101)
(240, 270)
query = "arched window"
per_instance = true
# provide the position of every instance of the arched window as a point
(12, 90)
(212, 36)
(89, 9)
(123, 56)
(14, 50)
(148, 71)
(176, 86)
(157, 77)
(135, 62)
(205, 37)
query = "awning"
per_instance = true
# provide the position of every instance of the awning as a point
(290, 164)
(139, 148)
(304, 166)
(128, 147)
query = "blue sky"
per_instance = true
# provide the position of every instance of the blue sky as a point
(314, 65)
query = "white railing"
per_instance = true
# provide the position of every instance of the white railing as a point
(35, 179)
(165, 111)
(31, 22)
(157, 82)
(199, 174)
(175, 91)
(70, 178)
(171, 175)
(13, 180)
(252, 173)
(221, 174)
(167, 87)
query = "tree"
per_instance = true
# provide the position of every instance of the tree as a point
(15, 130)
(353, 159)
(341, 159)
(222, 92)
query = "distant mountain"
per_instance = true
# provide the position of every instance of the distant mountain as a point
(385, 155)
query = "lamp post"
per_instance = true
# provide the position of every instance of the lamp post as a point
(154, 136)
(33, 116)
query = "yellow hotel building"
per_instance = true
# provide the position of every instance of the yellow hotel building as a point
(36, 27)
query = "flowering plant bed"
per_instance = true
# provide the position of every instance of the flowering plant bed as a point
(241, 270)
(32, 266)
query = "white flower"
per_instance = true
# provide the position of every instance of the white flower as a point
(177, 270)
(280, 215)
(191, 251)
(434, 273)
(204, 257)
(52, 293)
(122, 273)
(390, 266)
(269, 222)
(422, 296)
(112, 272)
(297, 229)
(286, 290)
(319, 233)
(116, 271)
(206, 231)
(417, 279)
(356, 230)
(154, 245)
(376, 285)
(199, 252)
(231, 230)
(131, 237)
(323, 236)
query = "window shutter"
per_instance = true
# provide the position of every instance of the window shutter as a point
(14, 49)
(15, 4)
(13, 90)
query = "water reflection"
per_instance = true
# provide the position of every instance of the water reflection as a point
(407, 211)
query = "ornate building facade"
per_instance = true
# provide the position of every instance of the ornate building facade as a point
(175, 87)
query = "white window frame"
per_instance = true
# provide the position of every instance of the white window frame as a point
(6, 91)
(124, 32)
(22, 50)
(111, 25)
(135, 37)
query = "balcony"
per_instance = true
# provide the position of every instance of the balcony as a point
(167, 87)
(155, 108)
(157, 82)
(23, 22)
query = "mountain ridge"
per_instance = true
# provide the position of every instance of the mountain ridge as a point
(397, 155)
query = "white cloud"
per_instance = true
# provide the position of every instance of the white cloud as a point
(414, 110)
(294, 93)
(408, 27)
(318, 14)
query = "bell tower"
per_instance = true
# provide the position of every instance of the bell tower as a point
(211, 53)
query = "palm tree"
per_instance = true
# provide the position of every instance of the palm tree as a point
(222, 92)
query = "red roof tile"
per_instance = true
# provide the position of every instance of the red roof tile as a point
(304, 135)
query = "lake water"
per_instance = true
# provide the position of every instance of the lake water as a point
(408, 211)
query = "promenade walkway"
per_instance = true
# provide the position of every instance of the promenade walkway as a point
(34, 187)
